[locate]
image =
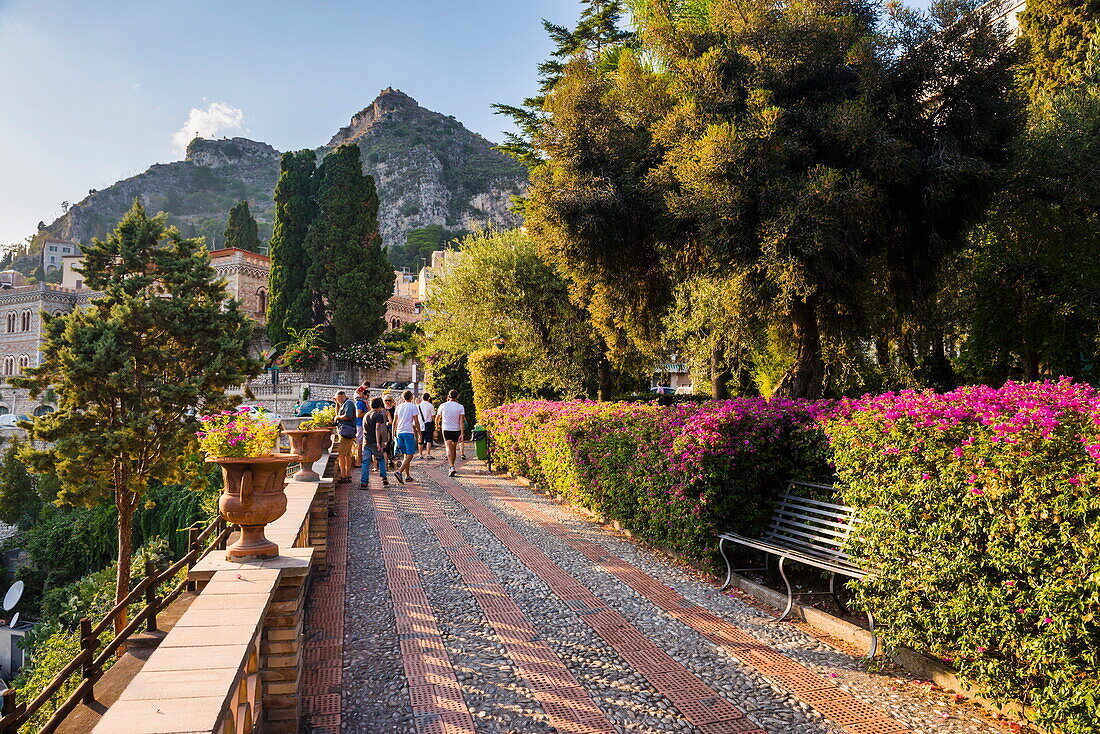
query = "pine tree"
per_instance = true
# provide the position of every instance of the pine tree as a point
(596, 37)
(162, 341)
(241, 232)
(350, 277)
(290, 301)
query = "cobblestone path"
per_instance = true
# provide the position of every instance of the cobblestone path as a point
(476, 605)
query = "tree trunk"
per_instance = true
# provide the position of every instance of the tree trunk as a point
(125, 507)
(719, 376)
(603, 371)
(805, 378)
(1031, 365)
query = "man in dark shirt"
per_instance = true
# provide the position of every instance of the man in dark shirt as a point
(376, 433)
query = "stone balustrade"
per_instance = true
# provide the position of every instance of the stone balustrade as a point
(232, 664)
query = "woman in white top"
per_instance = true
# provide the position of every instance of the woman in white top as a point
(427, 420)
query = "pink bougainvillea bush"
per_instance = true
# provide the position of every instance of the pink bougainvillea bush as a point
(982, 518)
(675, 474)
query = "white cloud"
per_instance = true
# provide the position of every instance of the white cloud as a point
(206, 123)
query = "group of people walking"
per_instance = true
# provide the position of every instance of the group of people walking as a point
(379, 432)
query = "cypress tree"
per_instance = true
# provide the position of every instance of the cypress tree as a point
(350, 276)
(241, 232)
(289, 305)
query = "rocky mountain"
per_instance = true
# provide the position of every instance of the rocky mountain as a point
(429, 169)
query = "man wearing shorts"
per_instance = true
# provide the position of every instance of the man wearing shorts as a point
(345, 425)
(427, 421)
(407, 427)
(453, 417)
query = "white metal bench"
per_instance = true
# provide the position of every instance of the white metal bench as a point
(806, 531)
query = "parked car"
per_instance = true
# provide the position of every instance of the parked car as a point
(662, 390)
(9, 420)
(306, 409)
(256, 412)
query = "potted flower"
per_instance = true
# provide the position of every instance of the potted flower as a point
(311, 440)
(254, 475)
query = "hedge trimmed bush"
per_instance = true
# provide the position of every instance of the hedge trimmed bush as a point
(494, 378)
(674, 474)
(982, 510)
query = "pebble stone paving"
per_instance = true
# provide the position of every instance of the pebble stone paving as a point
(472, 604)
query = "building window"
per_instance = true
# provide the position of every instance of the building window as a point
(24, 363)
(11, 322)
(262, 298)
(58, 312)
(42, 410)
(53, 249)
(79, 283)
(9, 365)
(25, 321)
(4, 410)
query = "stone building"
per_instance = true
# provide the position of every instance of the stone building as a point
(245, 275)
(53, 251)
(21, 336)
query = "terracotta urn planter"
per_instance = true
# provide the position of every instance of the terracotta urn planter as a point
(311, 445)
(252, 498)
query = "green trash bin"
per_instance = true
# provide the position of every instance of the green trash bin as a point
(481, 442)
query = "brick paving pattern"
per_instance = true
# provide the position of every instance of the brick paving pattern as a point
(475, 605)
(322, 669)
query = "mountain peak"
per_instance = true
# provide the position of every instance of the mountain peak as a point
(216, 153)
(388, 101)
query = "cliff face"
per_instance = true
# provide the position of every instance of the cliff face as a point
(429, 169)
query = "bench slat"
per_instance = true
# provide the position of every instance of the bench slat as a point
(798, 542)
(790, 497)
(787, 517)
(825, 564)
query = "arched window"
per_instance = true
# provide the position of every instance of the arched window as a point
(25, 321)
(4, 410)
(11, 321)
(58, 312)
(42, 410)
(261, 297)
(9, 365)
(24, 362)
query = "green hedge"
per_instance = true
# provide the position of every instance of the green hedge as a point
(494, 378)
(982, 516)
(674, 474)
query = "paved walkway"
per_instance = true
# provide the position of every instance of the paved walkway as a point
(475, 605)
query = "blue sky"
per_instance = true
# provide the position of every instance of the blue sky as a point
(97, 91)
(94, 91)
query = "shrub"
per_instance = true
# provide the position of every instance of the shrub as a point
(674, 474)
(494, 376)
(982, 517)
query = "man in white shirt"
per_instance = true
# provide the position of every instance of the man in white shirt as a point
(453, 417)
(406, 421)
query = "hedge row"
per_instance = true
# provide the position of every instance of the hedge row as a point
(982, 510)
(675, 474)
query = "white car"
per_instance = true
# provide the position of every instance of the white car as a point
(257, 413)
(9, 420)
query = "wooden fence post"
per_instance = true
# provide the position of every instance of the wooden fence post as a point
(192, 545)
(88, 645)
(151, 596)
(7, 707)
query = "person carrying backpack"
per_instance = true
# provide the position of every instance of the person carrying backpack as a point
(345, 426)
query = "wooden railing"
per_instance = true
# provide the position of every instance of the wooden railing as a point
(91, 662)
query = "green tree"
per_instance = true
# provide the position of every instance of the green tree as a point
(241, 232)
(500, 288)
(1055, 36)
(162, 341)
(290, 304)
(797, 138)
(350, 277)
(597, 35)
(1030, 299)
(19, 494)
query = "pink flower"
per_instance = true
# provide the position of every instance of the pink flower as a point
(1047, 620)
(1019, 611)
(1010, 583)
